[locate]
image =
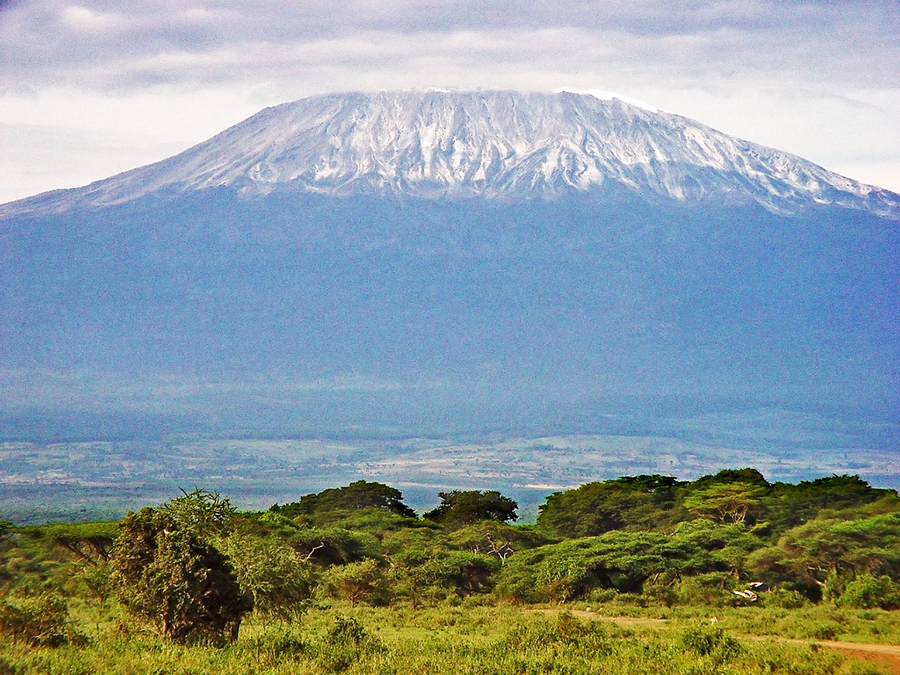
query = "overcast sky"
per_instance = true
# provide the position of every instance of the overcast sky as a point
(92, 88)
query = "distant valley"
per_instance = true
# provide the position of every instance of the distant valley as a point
(84, 480)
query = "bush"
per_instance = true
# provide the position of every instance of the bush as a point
(870, 592)
(38, 621)
(785, 598)
(169, 575)
(661, 592)
(827, 630)
(712, 641)
(705, 589)
(602, 595)
(274, 646)
(346, 630)
(346, 643)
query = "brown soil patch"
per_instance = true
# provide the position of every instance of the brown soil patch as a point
(882, 655)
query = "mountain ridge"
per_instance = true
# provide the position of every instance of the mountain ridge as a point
(468, 144)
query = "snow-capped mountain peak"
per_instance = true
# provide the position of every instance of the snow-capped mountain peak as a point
(457, 144)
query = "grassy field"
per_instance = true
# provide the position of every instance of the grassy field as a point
(479, 638)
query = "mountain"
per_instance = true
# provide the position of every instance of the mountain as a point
(432, 260)
(490, 144)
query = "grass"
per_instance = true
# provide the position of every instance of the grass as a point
(467, 638)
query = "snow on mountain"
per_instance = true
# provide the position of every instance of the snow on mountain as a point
(457, 144)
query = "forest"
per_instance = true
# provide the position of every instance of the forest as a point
(640, 574)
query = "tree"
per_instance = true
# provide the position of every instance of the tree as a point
(355, 581)
(273, 574)
(489, 537)
(619, 560)
(462, 571)
(829, 553)
(727, 502)
(201, 511)
(90, 543)
(467, 507)
(165, 572)
(792, 505)
(746, 475)
(333, 545)
(335, 503)
(645, 502)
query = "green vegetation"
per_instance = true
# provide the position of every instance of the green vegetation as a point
(620, 576)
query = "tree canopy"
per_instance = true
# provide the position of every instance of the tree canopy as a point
(644, 502)
(334, 503)
(467, 507)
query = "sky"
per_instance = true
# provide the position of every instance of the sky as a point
(91, 88)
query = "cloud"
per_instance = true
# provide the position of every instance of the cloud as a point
(744, 66)
(118, 44)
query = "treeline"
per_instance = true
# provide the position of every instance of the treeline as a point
(195, 567)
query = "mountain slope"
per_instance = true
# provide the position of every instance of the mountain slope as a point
(438, 260)
(492, 144)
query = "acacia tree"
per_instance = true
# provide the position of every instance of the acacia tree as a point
(276, 576)
(791, 505)
(727, 502)
(165, 572)
(356, 580)
(90, 543)
(466, 507)
(629, 502)
(202, 511)
(336, 503)
(829, 553)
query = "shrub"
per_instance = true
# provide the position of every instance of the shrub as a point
(705, 589)
(712, 641)
(346, 643)
(870, 592)
(38, 621)
(602, 595)
(274, 646)
(827, 630)
(786, 598)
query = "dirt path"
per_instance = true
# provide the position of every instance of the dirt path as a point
(883, 655)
